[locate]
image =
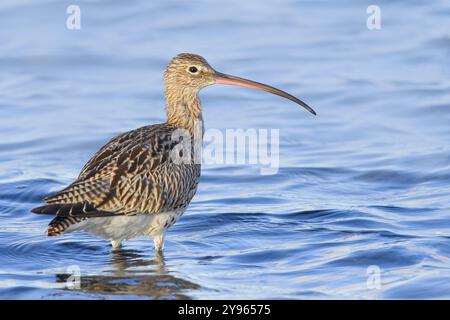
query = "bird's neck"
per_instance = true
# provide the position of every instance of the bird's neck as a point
(184, 109)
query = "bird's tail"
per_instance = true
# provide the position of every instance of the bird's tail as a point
(58, 225)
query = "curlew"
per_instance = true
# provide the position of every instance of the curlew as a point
(134, 185)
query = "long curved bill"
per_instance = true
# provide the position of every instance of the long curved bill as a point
(223, 78)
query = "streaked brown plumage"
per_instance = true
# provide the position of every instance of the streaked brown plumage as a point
(135, 184)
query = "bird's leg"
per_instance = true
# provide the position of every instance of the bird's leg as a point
(158, 240)
(116, 244)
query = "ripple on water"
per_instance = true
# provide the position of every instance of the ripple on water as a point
(430, 286)
(27, 248)
(26, 191)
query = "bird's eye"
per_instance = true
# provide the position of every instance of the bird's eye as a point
(193, 69)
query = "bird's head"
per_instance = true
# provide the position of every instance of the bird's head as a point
(193, 72)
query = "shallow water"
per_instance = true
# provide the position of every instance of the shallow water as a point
(363, 186)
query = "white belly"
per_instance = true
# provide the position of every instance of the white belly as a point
(126, 227)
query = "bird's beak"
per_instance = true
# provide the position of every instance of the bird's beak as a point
(223, 78)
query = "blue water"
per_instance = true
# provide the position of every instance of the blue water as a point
(365, 184)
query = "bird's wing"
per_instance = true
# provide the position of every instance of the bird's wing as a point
(129, 175)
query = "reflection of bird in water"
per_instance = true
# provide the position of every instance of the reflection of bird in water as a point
(124, 260)
(141, 182)
(134, 276)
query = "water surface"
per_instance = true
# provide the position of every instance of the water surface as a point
(365, 183)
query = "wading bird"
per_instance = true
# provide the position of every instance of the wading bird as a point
(134, 185)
